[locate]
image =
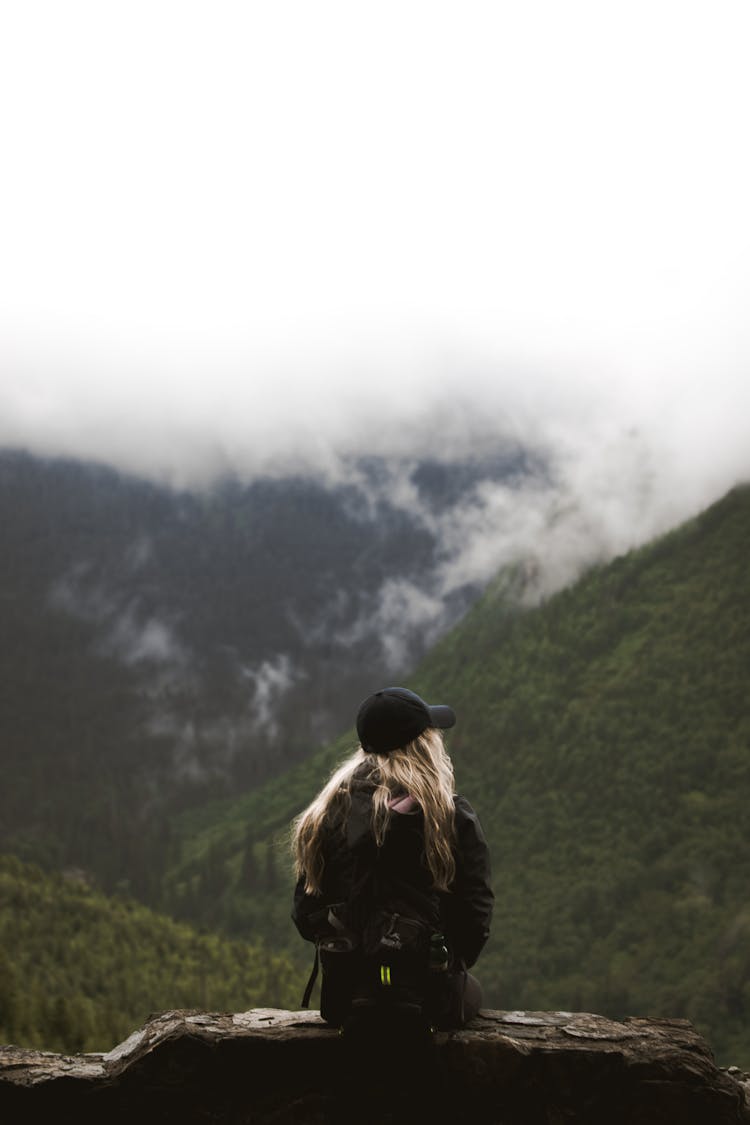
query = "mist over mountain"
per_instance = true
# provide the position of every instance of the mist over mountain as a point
(161, 647)
(166, 646)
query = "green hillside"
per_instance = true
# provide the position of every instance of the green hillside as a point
(604, 738)
(79, 971)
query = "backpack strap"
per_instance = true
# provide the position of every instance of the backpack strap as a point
(312, 980)
(343, 938)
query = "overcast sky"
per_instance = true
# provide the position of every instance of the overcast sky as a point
(260, 235)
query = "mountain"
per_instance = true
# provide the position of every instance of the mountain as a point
(161, 648)
(604, 739)
(79, 971)
(603, 736)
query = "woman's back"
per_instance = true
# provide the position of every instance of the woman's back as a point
(392, 865)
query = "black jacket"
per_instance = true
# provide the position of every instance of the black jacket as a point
(349, 851)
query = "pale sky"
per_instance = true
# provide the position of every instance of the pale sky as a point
(242, 235)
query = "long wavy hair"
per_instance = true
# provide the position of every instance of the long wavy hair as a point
(422, 769)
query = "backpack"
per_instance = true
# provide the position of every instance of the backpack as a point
(382, 956)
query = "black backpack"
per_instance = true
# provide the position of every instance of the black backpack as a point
(383, 956)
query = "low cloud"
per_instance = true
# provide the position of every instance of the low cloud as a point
(470, 269)
(203, 744)
(152, 641)
(589, 487)
(125, 632)
(269, 682)
(402, 618)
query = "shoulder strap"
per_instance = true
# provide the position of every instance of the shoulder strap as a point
(312, 979)
(362, 878)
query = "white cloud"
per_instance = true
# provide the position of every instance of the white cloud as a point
(150, 640)
(123, 630)
(269, 682)
(261, 238)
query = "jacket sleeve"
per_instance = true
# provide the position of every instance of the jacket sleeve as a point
(304, 906)
(468, 908)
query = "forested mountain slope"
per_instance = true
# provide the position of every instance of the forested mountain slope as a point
(79, 971)
(604, 739)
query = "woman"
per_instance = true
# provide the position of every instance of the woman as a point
(393, 870)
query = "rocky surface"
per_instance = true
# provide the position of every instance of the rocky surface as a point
(271, 1066)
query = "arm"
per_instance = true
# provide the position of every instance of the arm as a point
(468, 909)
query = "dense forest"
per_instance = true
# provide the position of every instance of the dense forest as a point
(79, 971)
(604, 739)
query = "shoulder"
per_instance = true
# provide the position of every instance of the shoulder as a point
(467, 822)
(464, 810)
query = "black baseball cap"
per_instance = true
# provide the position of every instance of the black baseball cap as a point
(393, 717)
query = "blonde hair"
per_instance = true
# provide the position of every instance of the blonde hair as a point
(422, 769)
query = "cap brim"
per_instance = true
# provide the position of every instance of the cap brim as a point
(442, 716)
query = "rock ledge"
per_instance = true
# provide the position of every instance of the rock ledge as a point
(267, 1065)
